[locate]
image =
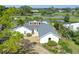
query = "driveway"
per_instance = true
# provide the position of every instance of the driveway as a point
(40, 49)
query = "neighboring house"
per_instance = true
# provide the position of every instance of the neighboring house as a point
(72, 26)
(36, 13)
(22, 30)
(45, 32)
(61, 10)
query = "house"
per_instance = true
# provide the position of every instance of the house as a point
(22, 30)
(60, 10)
(36, 13)
(45, 32)
(72, 26)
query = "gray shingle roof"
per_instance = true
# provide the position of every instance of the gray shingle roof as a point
(43, 29)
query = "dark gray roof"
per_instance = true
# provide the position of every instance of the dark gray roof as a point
(31, 26)
(46, 29)
(43, 29)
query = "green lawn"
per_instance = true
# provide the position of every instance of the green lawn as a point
(59, 14)
(72, 46)
(74, 19)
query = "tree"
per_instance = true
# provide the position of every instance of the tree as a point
(77, 8)
(10, 46)
(6, 22)
(43, 12)
(65, 45)
(10, 11)
(24, 10)
(66, 18)
(77, 12)
(75, 37)
(2, 8)
(67, 10)
(20, 22)
(56, 25)
(38, 18)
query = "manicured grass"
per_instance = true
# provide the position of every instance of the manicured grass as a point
(60, 14)
(72, 46)
(74, 19)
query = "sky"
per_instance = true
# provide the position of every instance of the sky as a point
(48, 6)
(56, 6)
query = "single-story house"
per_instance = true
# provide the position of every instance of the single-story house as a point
(45, 32)
(72, 26)
(36, 13)
(22, 30)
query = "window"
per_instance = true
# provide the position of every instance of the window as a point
(30, 23)
(39, 23)
(49, 39)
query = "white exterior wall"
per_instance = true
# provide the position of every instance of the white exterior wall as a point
(22, 30)
(46, 38)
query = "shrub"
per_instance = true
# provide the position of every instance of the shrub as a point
(56, 25)
(51, 49)
(77, 41)
(51, 43)
(65, 45)
(66, 18)
(29, 34)
(10, 45)
(54, 50)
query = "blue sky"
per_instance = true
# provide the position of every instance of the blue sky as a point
(66, 6)
(56, 6)
(47, 6)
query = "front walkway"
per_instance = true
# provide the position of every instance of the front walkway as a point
(40, 49)
(37, 47)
